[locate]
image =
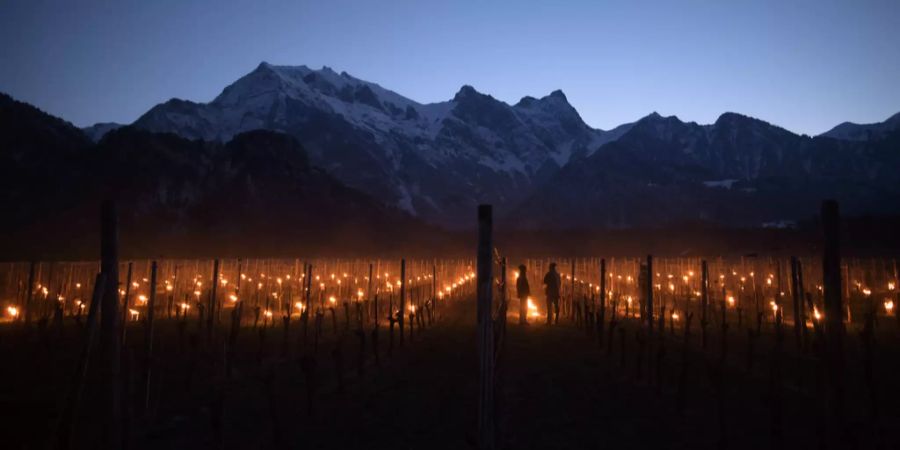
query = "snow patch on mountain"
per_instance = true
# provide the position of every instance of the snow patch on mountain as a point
(726, 184)
(412, 154)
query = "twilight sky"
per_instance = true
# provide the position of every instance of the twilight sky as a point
(803, 65)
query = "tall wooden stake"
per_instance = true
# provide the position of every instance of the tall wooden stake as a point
(571, 301)
(72, 406)
(704, 299)
(211, 319)
(434, 295)
(834, 324)
(29, 291)
(369, 291)
(649, 293)
(402, 297)
(485, 329)
(797, 300)
(125, 303)
(110, 336)
(600, 320)
(148, 338)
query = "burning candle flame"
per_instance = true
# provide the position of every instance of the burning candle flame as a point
(532, 308)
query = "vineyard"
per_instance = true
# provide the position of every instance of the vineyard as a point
(702, 352)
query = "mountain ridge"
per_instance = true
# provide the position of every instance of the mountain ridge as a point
(438, 160)
(864, 132)
(433, 160)
(256, 192)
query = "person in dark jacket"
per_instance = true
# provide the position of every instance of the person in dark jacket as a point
(523, 291)
(552, 283)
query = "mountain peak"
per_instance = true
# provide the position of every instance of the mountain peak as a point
(263, 65)
(852, 131)
(732, 118)
(559, 94)
(464, 92)
(736, 119)
(526, 101)
(729, 116)
(556, 97)
(266, 66)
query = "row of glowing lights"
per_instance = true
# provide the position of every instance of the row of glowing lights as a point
(13, 311)
(888, 303)
(686, 278)
(135, 314)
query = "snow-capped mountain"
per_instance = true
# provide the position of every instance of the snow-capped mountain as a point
(434, 160)
(253, 194)
(536, 160)
(850, 131)
(738, 171)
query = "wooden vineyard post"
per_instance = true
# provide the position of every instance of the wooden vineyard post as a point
(211, 310)
(402, 298)
(485, 329)
(704, 299)
(375, 332)
(148, 338)
(110, 336)
(434, 296)
(504, 301)
(685, 353)
(649, 294)
(125, 301)
(602, 312)
(369, 294)
(775, 380)
(797, 298)
(834, 325)
(29, 292)
(306, 305)
(71, 408)
(391, 320)
(571, 302)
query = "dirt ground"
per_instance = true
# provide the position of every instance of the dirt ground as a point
(557, 387)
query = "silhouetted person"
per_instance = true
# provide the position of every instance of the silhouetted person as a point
(552, 283)
(523, 291)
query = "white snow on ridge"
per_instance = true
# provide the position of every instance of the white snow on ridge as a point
(260, 99)
(726, 184)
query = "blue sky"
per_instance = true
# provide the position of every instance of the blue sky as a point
(803, 65)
